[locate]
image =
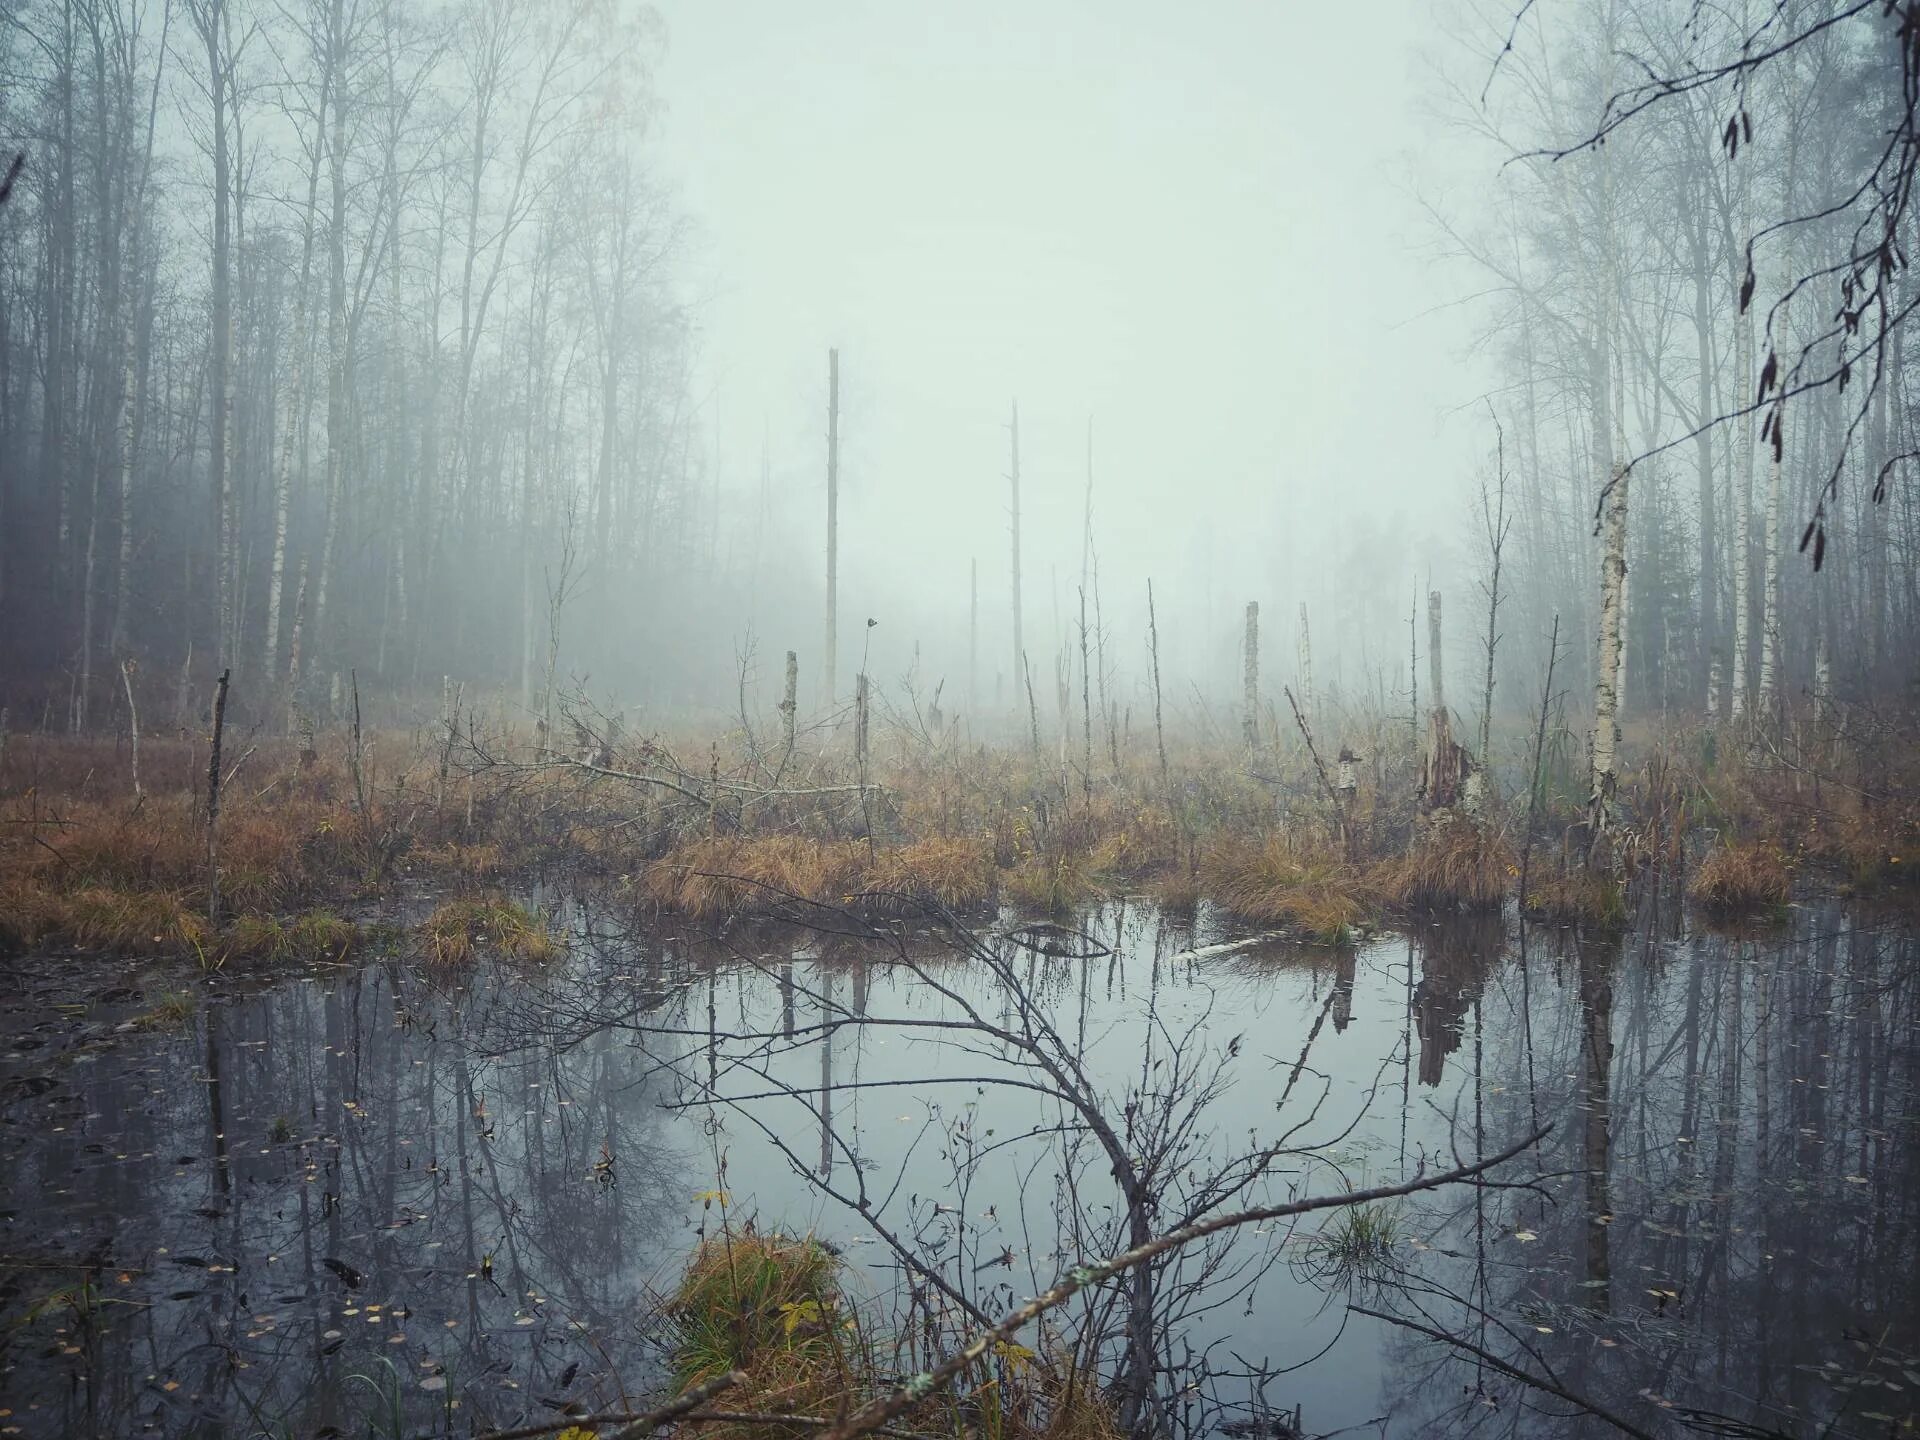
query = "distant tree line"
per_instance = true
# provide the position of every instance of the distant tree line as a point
(1698, 256)
(340, 335)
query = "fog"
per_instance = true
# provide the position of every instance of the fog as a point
(1205, 239)
(490, 344)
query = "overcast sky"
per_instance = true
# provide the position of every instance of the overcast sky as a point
(1196, 225)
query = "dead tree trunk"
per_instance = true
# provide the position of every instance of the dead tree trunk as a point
(1019, 646)
(830, 661)
(789, 704)
(1250, 659)
(133, 725)
(213, 801)
(1445, 767)
(1306, 663)
(973, 637)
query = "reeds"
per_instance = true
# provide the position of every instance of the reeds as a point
(1742, 877)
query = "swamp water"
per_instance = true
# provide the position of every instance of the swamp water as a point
(368, 1199)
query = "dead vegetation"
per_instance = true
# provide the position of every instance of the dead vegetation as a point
(774, 1308)
(929, 820)
(1739, 878)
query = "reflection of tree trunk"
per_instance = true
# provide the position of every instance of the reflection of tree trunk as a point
(826, 1076)
(786, 999)
(1343, 977)
(1596, 1008)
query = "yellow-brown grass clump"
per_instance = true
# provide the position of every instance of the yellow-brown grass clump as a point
(1455, 865)
(1275, 882)
(1741, 877)
(1577, 895)
(98, 917)
(718, 875)
(955, 872)
(772, 1307)
(455, 933)
(309, 936)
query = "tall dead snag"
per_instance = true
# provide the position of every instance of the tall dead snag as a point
(1305, 662)
(133, 725)
(1446, 765)
(1497, 522)
(1413, 670)
(1019, 647)
(1033, 710)
(1086, 706)
(1250, 723)
(973, 636)
(1159, 728)
(830, 662)
(789, 703)
(213, 800)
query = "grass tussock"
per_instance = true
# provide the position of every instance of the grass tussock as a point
(951, 871)
(1273, 882)
(1577, 895)
(458, 930)
(97, 917)
(1357, 1243)
(1742, 877)
(1455, 865)
(773, 1307)
(305, 938)
(715, 875)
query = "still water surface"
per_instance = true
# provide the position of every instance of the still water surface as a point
(370, 1196)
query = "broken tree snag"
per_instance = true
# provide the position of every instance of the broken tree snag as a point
(789, 703)
(860, 712)
(1251, 723)
(1445, 766)
(213, 800)
(830, 662)
(1305, 662)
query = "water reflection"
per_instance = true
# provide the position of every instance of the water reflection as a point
(367, 1191)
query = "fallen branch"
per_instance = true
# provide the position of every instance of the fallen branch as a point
(898, 1401)
(645, 1423)
(1551, 1387)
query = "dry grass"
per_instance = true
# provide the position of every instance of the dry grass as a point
(1742, 877)
(721, 875)
(773, 1307)
(1576, 895)
(1273, 882)
(1875, 852)
(1455, 865)
(951, 871)
(458, 930)
(96, 917)
(304, 938)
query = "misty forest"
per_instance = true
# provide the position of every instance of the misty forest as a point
(1049, 722)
